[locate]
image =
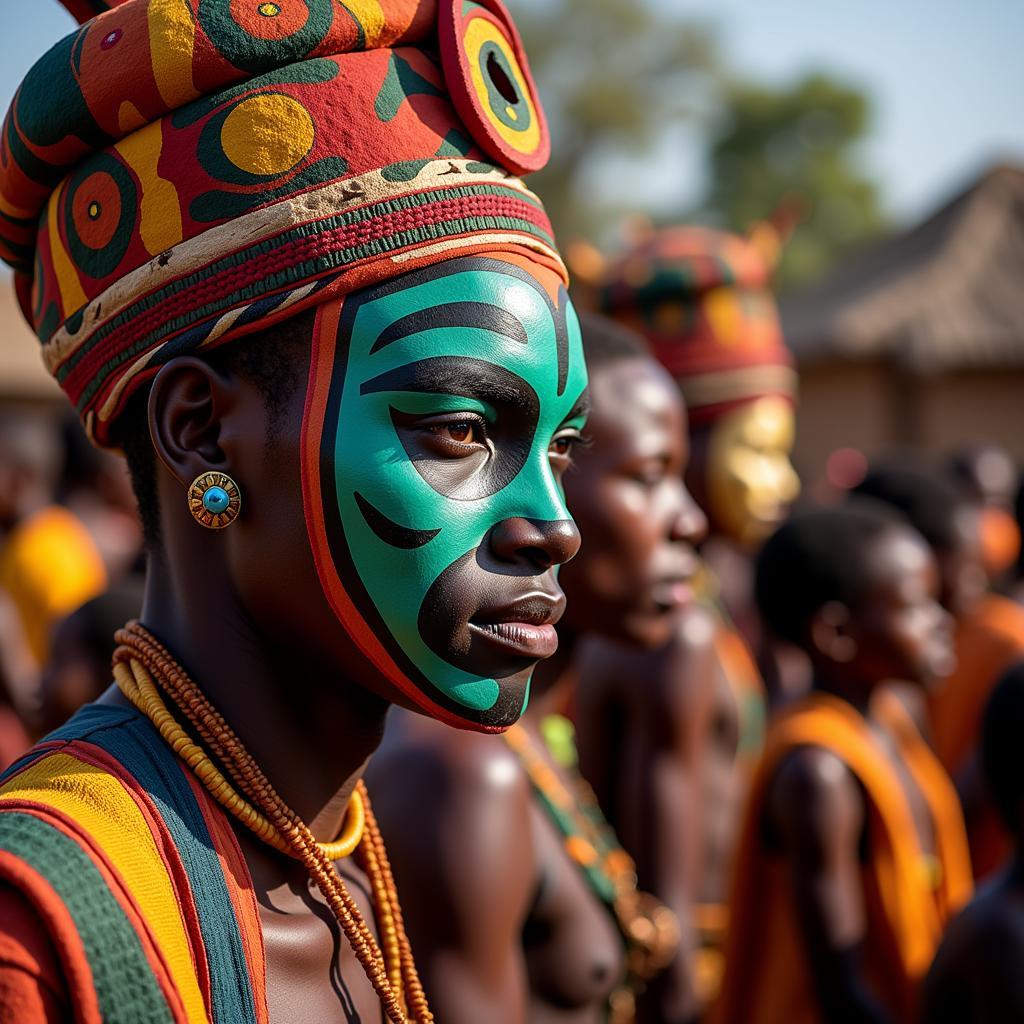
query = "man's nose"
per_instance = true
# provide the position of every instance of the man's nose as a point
(537, 542)
(690, 525)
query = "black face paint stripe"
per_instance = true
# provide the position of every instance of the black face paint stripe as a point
(458, 375)
(559, 311)
(391, 532)
(484, 316)
(560, 317)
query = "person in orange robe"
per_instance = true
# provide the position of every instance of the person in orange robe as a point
(988, 635)
(852, 853)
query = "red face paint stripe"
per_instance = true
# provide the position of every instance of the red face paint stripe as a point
(321, 368)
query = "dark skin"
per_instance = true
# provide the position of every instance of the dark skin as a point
(817, 813)
(273, 659)
(688, 688)
(506, 927)
(976, 973)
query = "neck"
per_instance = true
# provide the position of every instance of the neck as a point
(853, 691)
(553, 682)
(311, 740)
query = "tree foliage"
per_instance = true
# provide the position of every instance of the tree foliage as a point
(613, 75)
(791, 152)
(616, 76)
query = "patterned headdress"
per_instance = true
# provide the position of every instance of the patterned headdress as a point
(178, 173)
(702, 299)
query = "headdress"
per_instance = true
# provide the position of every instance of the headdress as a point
(178, 173)
(702, 299)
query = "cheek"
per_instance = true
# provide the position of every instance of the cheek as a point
(619, 530)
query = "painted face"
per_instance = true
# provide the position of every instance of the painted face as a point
(443, 408)
(637, 518)
(750, 480)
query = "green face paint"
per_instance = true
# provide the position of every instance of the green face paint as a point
(451, 395)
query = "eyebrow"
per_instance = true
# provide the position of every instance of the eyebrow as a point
(482, 316)
(457, 375)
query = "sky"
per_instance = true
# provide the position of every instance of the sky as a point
(946, 78)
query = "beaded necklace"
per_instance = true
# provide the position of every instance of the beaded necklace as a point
(649, 929)
(146, 673)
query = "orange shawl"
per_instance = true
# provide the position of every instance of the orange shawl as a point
(987, 643)
(767, 976)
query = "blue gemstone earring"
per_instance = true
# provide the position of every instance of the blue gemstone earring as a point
(214, 500)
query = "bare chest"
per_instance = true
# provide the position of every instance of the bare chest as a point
(312, 971)
(574, 953)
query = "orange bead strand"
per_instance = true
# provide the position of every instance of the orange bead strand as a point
(145, 672)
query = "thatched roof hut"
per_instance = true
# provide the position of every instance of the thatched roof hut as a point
(919, 339)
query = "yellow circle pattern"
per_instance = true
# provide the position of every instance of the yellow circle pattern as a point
(267, 135)
(479, 32)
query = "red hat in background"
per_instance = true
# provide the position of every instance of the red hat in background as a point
(702, 299)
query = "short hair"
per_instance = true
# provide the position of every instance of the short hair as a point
(269, 360)
(928, 500)
(973, 466)
(606, 341)
(818, 555)
(1002, 760)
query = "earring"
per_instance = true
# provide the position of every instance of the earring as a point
(214, 500)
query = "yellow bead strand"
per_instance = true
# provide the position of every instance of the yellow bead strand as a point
(138, 686)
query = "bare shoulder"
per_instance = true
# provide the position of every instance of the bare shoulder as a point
(813, 798)
(427, 759)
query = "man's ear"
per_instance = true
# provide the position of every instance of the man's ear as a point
(187, 400)
(830, 632)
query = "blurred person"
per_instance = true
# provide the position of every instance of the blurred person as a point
(18, 676)
(1015, 587)
(988, 476)
(474, 822)
(49, 564)
(280, 254)
(988, 632)
(702, 300)
(82, 651)
(853, 853)
(977, 975)
(96, 486)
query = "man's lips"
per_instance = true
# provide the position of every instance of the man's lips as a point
(675, 589)
(525, 627)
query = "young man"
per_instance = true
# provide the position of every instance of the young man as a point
(702, 299)
(852, 855)
(976, 975)
(519, 900)
(988, 635)
(284, 262)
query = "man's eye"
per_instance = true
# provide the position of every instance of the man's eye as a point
(458, 431)
(565, 445)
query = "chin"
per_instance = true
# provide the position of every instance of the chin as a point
(513, 696)
(644, 630)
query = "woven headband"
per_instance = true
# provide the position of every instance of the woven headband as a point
(181, 172)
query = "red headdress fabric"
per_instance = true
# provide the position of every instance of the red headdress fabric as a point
(702, 299)
(181, 172)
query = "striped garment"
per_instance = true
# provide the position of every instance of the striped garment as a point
(135, 874)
